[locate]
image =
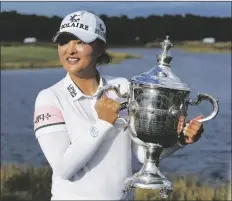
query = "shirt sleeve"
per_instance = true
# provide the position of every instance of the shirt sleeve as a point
(47, 114)
(124, 86)
(139, 151)
(67, 158)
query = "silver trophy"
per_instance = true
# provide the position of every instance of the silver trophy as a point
(156, 101)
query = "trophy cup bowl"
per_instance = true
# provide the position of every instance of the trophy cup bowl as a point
(156, 101)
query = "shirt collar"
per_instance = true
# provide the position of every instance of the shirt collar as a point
(74, 92)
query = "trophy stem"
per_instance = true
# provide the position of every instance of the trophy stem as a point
(153, 152)
(149, 177)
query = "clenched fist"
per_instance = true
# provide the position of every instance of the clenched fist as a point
(107, 109)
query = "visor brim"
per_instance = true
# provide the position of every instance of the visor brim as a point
(83, 35)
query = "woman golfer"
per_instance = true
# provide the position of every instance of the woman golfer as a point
(86, 146)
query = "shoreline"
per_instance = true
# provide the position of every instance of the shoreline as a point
(197, 46)
(42, 56)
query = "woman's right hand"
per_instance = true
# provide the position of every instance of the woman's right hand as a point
(107, 109)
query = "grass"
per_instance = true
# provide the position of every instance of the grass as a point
(43, 56)
(197, 46)
(24, 182)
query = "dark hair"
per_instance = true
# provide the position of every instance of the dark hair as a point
(104, 58)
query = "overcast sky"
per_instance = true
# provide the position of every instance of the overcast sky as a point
(131, 9)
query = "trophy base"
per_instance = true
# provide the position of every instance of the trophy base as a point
(148, 182)
(152, 182)
(149, 177)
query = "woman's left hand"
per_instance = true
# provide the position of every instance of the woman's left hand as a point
(192, 130)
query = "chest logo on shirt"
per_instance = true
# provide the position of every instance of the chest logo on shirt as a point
(93, 131)
(72, 90)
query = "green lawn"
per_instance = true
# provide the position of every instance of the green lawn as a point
(197, 46)
(26, 56)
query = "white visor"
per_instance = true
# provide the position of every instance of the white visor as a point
(84, 36)
(84, 25)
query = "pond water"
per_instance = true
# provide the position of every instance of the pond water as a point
(210, 157)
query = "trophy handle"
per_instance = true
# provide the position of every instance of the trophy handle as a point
(212, 100)
(116, 88)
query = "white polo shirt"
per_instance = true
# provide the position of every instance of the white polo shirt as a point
(90, 158)
(64, 108)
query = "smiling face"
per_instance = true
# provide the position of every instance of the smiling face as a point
(78, 58)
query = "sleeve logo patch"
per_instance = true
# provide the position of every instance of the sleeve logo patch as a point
(45, 115)
(93, 131)
(42, 117)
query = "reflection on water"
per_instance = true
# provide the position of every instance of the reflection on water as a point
(209, 157)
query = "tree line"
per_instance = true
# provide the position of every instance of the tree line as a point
(122, 30)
